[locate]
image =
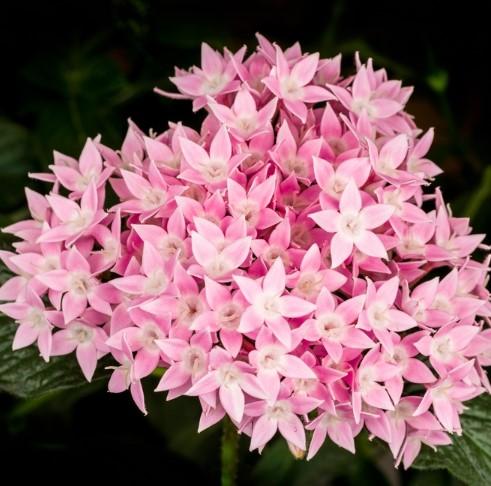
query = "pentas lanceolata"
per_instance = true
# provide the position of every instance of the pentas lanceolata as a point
(287, 264)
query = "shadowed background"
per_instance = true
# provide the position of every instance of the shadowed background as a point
(75, 70)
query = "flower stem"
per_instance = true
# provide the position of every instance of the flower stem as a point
(229, 453)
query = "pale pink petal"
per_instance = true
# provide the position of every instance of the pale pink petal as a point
(174, 377)
(376, 215)
(73, 306)
(444, 412)
(292, 429)
(87, 359)
(317, 440)
(194, 154)
(145, 362)
(304, 70)
(371, 245)
(293, 367)
(204, 385)
(203, 250)
(281, 329)
(417, 372)
(342, 435)
(341, 249)
(350, 199)
(232, 400)
(263, 431)
(274, 281)
(249, 288)
(138, 396)
(24, 336)
(291, 306)
(221, 147)
(378, 397)
(326, 219)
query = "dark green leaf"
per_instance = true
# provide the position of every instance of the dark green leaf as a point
(469, 457)
(23, 373)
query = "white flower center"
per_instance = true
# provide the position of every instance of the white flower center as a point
(378, 315)
(80, 220)
(214, 84)
(442, 302)
(290, 89)
(280, 410)
(149, 333)
(154, 198)
(229, 375)
(156, 282)
(309, 284)
(366, 379)
(268, 306)
(442, 348)
(269, 357)
(215, 171)
(250, 210)
(85, 179)
(194, 360)
(188, 308)
(274, 252)
(350, 224)
(229, 316)
(36, 318)
(170, 245)
(80, 283)
(81, 333)
(331, 326)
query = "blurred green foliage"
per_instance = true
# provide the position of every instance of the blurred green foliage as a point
(72, 70)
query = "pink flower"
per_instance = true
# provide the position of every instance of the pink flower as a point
(366, 98)
(147, 197)
(276, 261)
(142, 338)
(367, 388)
(75, 286)
(292, 85)
(292, 157)
(269, 305)
(380, 316)
(216, 257)
(333, 325)
(446, 397)
(188, 362)
(216, 76)
(211, 168)
(88, 342)
(244, 119)
(224, 316)
(88, 169)
(123, 377)
(351, 226)
(311, 278)
(280, 413)
(253, 205)
(337, 423)
(74, 220)
(34, 324)
(231, 379)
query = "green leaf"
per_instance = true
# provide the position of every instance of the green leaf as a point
(14, 154)
(23, 373)
(469, 457)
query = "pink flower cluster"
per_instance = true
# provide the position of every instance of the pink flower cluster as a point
(287, 264)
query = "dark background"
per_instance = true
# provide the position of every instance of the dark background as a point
(76, 69)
